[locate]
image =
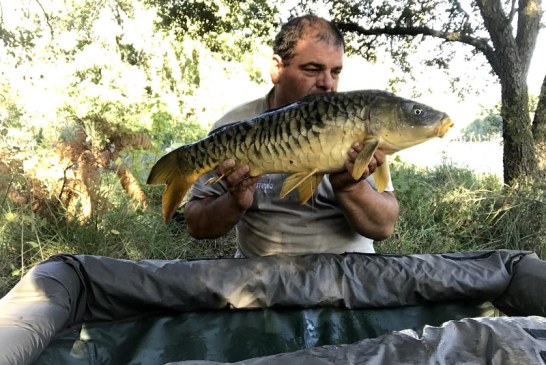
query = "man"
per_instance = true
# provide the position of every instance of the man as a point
(344, 215)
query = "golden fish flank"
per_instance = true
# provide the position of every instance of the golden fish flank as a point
(308, 138)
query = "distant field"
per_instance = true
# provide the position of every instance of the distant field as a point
(481, 157)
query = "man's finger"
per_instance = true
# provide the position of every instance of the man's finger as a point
(238, 175)
(225, 167)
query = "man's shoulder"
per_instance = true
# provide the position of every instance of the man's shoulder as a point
(242, 112)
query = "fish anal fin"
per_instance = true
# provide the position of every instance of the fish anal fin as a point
(364, 157)
(382, 176)
(307, 188)
(303, 181)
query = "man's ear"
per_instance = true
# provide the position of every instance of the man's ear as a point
(275, 68)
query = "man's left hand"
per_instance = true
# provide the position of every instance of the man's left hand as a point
(344, 181)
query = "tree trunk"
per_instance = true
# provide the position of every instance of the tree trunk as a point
(512, 57)
(519, 158)
(539, 128)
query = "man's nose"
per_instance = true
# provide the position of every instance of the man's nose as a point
(325, 81)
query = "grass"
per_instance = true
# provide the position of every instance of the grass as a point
(442, 210)
(453, 209)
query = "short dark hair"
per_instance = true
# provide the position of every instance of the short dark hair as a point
(292, 31)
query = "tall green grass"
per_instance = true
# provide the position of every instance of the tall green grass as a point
(120, 229)
(452, 209)
(442, 210)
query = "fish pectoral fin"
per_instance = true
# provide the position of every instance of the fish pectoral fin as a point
(382, 176)
(217, 178)
(214, 179)
(363, 159)
(303, 181)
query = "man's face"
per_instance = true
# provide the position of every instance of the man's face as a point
(315, 68)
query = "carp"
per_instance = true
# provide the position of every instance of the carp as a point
(308, 138)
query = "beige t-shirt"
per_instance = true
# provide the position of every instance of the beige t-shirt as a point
(283, 226)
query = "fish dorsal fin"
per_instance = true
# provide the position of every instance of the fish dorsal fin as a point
(382, 176)
(363, 159)
(304, 181)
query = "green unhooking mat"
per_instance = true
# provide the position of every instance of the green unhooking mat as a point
(316, 309)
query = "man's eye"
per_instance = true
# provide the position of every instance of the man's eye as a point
(312, 70)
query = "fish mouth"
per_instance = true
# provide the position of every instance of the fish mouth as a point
(444, 126)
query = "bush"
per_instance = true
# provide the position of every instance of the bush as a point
(484, 129)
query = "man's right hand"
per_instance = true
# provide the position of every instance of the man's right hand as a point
(241, 186)
(214, 216)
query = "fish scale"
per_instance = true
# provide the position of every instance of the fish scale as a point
(306, 139)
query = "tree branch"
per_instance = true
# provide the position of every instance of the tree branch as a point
(460, 10)
(481, 44)
(46, 18)
(513, 12)
(539, 122)
(478, 43)
(529, 14)
(500, 29)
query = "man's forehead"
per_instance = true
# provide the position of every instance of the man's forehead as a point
(315, 50)
(320, 35)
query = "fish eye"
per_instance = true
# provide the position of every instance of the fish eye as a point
(417, 111)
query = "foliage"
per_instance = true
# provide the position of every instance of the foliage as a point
(452, 209)
(483, 129)
(92, 87)
(230, 28)
(120, 229)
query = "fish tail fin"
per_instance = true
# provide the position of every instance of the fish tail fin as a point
(167, 171)
(173, 196)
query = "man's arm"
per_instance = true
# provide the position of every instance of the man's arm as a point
(371, 213)
(214, 216)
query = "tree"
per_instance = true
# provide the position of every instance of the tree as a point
(229, 27)
(504, 32)
(86, 87)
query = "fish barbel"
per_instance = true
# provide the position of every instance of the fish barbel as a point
(308, 138)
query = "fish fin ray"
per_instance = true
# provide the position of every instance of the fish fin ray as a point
(363, 159)
(214, 179)
(295, 180)
(308, 187)
(382, 176)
